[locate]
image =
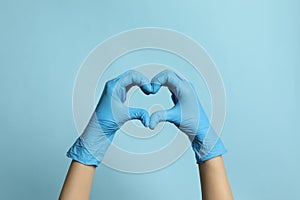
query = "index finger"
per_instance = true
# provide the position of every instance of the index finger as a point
(134, 78)
(166, 78)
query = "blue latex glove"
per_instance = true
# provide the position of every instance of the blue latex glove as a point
(109, 115)
(188, 115)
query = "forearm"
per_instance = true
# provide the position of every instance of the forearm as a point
(214, 181)
(78, 182)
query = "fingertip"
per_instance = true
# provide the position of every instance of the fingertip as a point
(146, 119)
(147, 123)
(152, 125)
(154, 120)
(155, 87)
(147, 88)
(142, 115)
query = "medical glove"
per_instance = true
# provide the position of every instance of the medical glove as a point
(110, 114)
(188, 115)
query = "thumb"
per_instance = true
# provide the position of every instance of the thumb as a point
(140, 114)
(170, 115)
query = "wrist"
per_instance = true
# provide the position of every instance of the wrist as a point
(204, 152)
(80, 153)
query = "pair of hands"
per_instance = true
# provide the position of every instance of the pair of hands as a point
(111, 113)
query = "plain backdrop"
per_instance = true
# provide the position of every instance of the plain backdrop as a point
(255, 44)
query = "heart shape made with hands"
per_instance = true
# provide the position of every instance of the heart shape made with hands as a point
(185, 112)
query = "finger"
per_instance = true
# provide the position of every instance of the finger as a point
(166, 78)
(140, 114)
(134, 78)
(170, 115)
(174, 98)
(110, 89)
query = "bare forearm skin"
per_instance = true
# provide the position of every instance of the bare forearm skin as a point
(78, 182)
(214, 181)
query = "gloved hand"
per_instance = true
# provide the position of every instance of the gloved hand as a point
(188, 115)
(109, 115)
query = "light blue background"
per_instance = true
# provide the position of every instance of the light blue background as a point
(255, 44)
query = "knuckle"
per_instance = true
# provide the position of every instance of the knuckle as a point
(131, 72)
(168, 72)
(109, 83)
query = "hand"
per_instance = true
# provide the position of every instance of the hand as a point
(188, 115)
(109, 115)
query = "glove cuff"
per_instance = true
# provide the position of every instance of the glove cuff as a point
(79, 153)
(203, 155)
